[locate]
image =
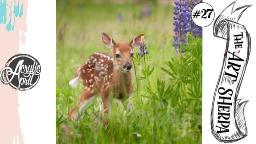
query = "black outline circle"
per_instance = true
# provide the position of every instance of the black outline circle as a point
(27, 56)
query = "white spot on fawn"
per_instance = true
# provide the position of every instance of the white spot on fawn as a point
(97, 79)
(97, 67)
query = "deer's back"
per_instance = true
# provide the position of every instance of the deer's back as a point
(97, 72)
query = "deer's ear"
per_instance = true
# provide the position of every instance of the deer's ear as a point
(107, 40)
(137, 40)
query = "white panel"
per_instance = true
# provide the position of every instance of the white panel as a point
(38, 105)
(213, 52)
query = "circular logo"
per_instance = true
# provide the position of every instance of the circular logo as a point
(203, 14)
(21, 71)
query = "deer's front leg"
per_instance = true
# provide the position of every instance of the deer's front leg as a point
(105, 100)
(85, 99)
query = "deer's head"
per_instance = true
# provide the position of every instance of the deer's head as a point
(122, 51)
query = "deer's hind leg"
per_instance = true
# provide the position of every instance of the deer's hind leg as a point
(85, 99)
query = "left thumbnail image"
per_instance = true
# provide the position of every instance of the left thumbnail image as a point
(27, 72)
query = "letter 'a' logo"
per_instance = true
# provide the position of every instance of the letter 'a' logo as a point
(22, 72)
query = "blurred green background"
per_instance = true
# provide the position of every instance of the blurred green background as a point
(158, 114)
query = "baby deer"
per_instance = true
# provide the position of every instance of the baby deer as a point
(104, 74)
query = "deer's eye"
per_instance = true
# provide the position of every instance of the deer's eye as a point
(117, 55)
(131, 54)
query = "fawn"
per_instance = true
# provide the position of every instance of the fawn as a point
(104, 74)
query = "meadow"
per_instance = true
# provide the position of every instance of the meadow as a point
(166, 99)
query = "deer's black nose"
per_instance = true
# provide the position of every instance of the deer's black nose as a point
(128, 66)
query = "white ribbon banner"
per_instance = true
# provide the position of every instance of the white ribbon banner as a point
(227, 116)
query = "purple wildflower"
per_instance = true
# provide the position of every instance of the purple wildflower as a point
(183, 23)
(142, 50)
(194, 29)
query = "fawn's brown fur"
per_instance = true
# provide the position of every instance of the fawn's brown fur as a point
(104, 73)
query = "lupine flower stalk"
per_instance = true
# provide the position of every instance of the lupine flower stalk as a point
(194, 29)
(143, 48)
(183, 23)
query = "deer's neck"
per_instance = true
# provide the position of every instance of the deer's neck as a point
(123, 85)
(124, 77)
(121, 75)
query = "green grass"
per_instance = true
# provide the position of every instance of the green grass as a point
(159, 113)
